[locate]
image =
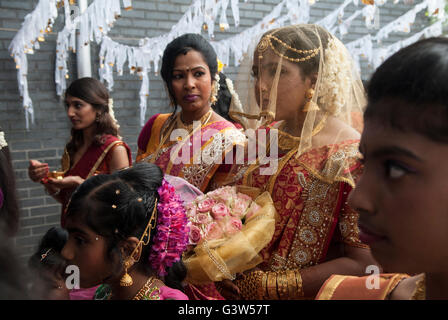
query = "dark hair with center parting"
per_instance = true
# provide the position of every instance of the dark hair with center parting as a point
(409, 91)
(95, 93)
(133, 206)
(182, 45)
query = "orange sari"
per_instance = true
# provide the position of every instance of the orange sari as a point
(205, 176)
(339, 287)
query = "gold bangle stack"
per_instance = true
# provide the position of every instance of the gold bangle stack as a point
(283, 285)
(288, 285)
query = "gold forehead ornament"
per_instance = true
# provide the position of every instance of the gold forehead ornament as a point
(266, 42)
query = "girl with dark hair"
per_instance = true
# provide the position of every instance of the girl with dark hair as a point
(190, 72)
(48, 267)
(94, 147)
(402, 195)
(127, 232)
(9, 209)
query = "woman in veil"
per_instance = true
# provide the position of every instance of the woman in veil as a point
(307, 99)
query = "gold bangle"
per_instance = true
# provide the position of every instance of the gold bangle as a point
(300, 292)
(264, 286)
(250, 285)
(282, 285)
(272, 286)
(292, 284)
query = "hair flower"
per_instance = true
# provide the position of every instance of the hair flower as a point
(171, 237)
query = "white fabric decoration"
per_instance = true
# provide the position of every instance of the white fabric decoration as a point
(97, 20)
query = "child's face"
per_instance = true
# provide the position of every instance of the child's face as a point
(402, 198)
(88, 251)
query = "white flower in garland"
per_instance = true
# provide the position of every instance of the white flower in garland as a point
(235, 97)
(336, 78)
(3, 142)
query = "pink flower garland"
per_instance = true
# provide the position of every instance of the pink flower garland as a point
(171, 237)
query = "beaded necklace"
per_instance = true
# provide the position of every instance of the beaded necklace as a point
(287, 141)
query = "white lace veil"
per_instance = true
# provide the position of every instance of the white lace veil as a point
(335, 109)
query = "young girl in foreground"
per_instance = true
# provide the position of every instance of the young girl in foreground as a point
(127, 232)
(402, 196)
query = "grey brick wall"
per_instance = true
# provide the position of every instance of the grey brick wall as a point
(46, 138)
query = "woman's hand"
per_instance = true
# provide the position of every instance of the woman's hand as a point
(66, 182)
(37, 170)
(228, 290)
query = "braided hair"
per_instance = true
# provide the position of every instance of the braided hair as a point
(119, 206)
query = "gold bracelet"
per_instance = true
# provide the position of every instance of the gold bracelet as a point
(282, 285)
(264, 286)
(292, 284)
(300, 292)
(272, 286)
(250, 285)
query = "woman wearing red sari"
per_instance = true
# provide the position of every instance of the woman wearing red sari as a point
(95, 146)
(193, 143)
(307, 100)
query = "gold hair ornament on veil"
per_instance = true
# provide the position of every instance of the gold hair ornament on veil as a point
(126, 280)
(267, 41)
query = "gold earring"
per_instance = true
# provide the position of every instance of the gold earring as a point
(310, 105)
(215, 89)
(126, 280)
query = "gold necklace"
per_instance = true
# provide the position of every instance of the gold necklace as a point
(420, 290)
(146, 292)
(177, 122)
(189, 127)
(287, 141)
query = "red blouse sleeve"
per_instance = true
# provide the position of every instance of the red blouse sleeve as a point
(145, 134)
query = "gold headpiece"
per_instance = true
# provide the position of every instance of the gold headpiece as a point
(267, 41)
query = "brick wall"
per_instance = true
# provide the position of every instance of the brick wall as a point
(46, 138)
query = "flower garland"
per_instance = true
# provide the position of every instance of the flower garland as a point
(235, 97)
(336, 77)
(171, 237)
(3, 142)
